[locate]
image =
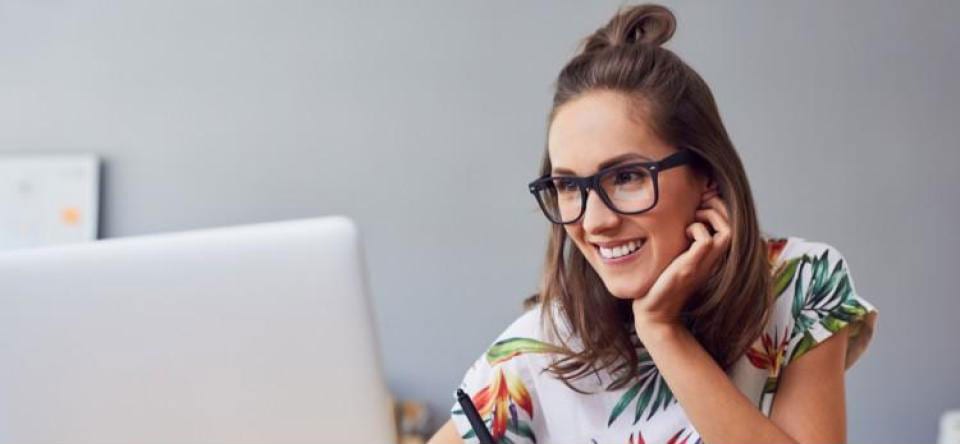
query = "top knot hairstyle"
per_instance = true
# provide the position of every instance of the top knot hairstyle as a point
(643, 24)
(730, 311)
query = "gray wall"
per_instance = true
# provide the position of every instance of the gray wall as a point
(425, 121)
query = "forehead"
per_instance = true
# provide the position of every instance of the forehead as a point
(598, 126)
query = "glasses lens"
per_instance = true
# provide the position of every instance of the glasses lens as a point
(560, 199)
(630, 189)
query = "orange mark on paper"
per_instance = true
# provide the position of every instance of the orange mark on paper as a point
(70, 215)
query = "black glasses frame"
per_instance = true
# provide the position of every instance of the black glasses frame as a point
(682, 157)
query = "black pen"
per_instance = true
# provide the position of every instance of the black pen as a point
(476, 423)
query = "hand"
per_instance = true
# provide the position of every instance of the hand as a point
(688, 271)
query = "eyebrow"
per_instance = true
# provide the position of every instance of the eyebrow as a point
(608, 163)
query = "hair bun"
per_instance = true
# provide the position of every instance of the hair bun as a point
(648, 24)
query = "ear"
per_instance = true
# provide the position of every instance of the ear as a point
(709, 184)
(709, 189)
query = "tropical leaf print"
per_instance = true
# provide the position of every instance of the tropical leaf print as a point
(783, 271)
(783, 275)
(828, 300)
(650, 392)
(506, 349)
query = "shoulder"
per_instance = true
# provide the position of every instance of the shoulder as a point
(791, 257)
(524, 337)
(782, 249)
(815, 297)
(511, 350)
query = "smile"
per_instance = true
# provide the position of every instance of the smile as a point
(614, 254)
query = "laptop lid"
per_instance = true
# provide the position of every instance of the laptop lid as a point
(249, 334)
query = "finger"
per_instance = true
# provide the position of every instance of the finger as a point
(718, 204)
(719, 224)
(708, 216)
(721, 240)
(702, 243)
(685, 265)
(707, 195)
(711, 260)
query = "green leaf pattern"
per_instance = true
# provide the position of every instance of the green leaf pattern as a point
(650, 387)
(827, 299)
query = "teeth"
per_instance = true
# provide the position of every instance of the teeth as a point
(618, 251)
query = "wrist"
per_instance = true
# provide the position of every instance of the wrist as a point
(650, 330)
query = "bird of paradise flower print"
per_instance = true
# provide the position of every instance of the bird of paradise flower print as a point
(770, 356)
(774, 248)
(675, 439)
(498, 404)
(639, 439)
(686, 437)
(502, 401)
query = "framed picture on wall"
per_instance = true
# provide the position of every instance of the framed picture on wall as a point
(48, 200)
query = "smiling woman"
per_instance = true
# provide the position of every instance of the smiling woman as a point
(664, 314)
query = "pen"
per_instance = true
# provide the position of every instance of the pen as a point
(476, 423)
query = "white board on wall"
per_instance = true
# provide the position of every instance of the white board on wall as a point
(48, 200)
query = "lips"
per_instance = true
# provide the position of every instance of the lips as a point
(617, 243)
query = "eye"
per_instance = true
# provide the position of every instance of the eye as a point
(565, 185)
(628, 177)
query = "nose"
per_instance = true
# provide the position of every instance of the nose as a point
(597, 216)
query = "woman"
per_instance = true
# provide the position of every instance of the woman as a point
(664, 314)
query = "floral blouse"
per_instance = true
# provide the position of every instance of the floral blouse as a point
(521, 403)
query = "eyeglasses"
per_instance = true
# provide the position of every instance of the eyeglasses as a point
(625, 189)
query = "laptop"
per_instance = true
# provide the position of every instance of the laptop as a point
(250, 334)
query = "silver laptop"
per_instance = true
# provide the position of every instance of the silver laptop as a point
(251, 334)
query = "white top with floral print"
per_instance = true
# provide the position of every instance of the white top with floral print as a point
(522, 403)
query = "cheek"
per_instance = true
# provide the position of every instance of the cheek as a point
(666, 247)
(576, 235)
(668, 234)
(678, 210)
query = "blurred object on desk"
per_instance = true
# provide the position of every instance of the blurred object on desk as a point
(412, 418)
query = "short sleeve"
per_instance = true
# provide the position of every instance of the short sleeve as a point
(825, 301)
(502, 387)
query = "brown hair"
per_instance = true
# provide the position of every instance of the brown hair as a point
(729, 312)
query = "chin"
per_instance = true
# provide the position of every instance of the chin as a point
(623, 284)
(626, 290)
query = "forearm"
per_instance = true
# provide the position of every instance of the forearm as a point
(713, 404)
